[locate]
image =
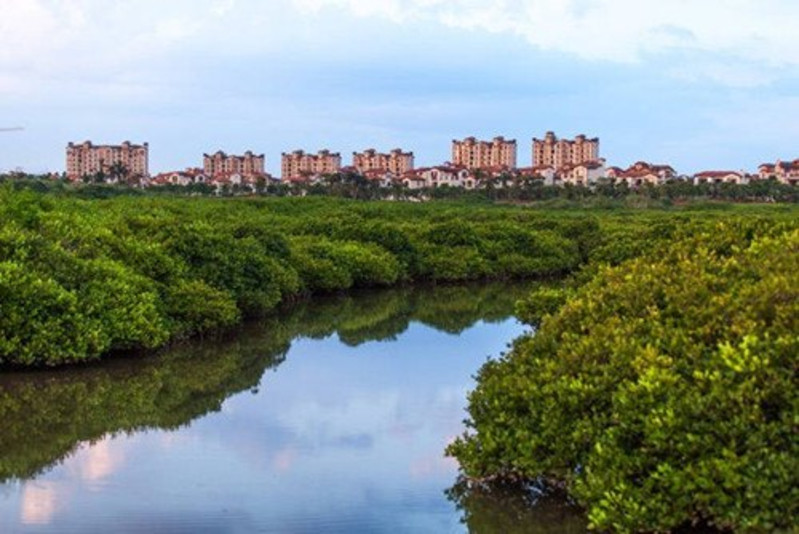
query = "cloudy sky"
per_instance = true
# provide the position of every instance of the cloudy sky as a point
(700, 84)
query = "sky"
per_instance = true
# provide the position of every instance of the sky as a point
(698, 84)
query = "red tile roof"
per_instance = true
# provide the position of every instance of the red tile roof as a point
(716, 174)
(639, 173)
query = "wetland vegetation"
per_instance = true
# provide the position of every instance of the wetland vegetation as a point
(659, 389)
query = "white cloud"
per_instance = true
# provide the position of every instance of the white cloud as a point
(30, 29)
(395, 10)
(615, 30)
(745, 39)
(85, 40)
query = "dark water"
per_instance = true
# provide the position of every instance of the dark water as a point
(331, 418)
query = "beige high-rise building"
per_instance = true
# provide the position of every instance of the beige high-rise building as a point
(396, 162)
(298, 164)
(86, 159)
(474, 154)
(247, 165)
(559, 153)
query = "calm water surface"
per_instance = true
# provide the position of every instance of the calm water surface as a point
(331, 418)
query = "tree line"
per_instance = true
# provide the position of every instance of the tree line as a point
(503, 189)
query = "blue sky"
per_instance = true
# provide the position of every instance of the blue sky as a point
(699, 84)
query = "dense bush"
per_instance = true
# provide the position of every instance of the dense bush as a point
(458, 263)
(241, 266)
(196, 307)
(133, 272)
(663, 392)
(315, 259)
(39, 320)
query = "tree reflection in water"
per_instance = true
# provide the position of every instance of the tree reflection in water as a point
(515, 508)
(46, 415)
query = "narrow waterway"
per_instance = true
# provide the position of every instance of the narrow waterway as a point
(331, 417)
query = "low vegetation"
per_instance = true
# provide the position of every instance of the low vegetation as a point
(84, 278)
(605, 194)
(660, 391)
(660, 387)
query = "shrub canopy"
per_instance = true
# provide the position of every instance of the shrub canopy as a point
(662, 392)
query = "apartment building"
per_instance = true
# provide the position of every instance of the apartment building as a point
(299, 164)
(474, 154)
(396, 162)
(87, 159)
(222, 164)
(560, 153)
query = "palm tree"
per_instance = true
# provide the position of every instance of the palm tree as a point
(117, 171)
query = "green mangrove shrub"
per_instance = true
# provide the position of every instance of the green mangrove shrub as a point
(661, 393)
(129, 272)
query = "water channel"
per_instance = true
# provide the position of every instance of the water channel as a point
(331, 417)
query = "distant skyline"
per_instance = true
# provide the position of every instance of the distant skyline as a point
(698, 84)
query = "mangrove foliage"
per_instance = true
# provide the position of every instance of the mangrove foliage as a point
(659, 392)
